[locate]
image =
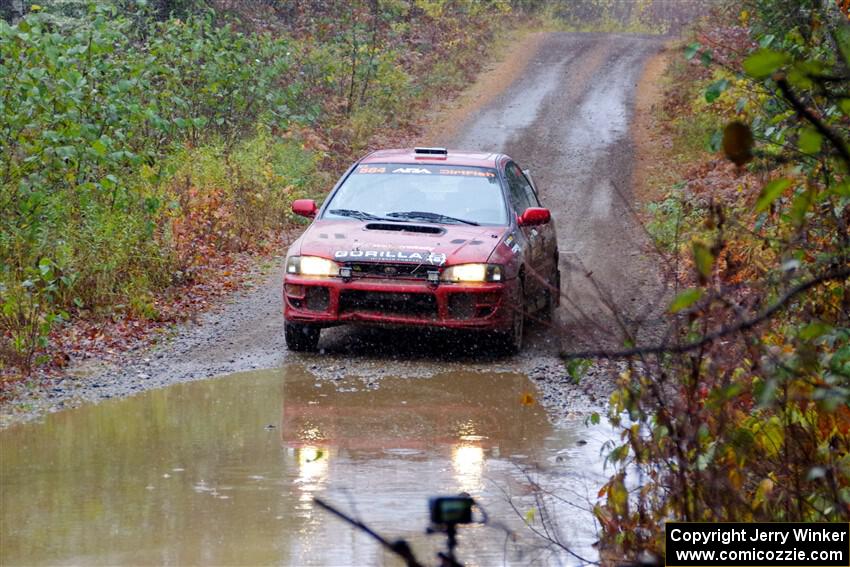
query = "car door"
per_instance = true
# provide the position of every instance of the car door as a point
(548, 239)
(521, 195)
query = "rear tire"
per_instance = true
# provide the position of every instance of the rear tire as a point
(301, 338)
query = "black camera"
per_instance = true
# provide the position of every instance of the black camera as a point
(451, 510)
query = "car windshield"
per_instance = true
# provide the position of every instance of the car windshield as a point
(420, 193)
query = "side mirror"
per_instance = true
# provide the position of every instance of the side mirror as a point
(534, 216)
(304, 207)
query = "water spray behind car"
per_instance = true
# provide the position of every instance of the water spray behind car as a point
(446, 512)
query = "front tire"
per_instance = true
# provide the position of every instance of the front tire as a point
(553, 297)
(510, 341)
(301, 338)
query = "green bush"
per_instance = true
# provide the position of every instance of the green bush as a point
(88, 117)
(231, 197)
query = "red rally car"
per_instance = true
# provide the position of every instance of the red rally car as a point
(423, 237)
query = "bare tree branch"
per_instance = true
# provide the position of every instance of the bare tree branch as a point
(740, 325)
(822, 128)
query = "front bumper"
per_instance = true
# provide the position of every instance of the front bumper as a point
(332, 301)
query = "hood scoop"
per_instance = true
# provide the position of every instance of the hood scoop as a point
(404, 227)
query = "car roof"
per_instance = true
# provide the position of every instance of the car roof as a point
(452, 157)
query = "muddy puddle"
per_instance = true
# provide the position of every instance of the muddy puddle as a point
(224, 471)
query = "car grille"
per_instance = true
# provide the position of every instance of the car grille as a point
(472, 305)
(462, 305)
(413, 304)
(389, 271)
(317, 298)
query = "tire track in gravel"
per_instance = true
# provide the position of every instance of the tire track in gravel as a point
(580, 153)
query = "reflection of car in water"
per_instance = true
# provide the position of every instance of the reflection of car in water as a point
(380, 449)
(469, 416)
(423, 237)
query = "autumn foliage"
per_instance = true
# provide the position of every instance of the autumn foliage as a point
(742, 413)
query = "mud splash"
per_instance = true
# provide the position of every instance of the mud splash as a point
(224, 471)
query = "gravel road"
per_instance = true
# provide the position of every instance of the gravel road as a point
(565, 116)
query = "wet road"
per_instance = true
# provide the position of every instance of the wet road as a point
(567, 120)
(223, 471)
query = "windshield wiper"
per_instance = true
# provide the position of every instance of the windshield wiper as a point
(360, 215)
(424, 215)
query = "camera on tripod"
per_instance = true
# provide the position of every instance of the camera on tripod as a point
(451, 510)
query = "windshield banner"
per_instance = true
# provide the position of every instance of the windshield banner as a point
(401, 169)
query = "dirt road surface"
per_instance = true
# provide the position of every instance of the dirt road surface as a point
(567, 120)
(563, 110)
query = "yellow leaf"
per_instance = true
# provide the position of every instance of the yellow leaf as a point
(527, 399)
(770, 436)
(735, 478)
(618, 497)
(764, 489)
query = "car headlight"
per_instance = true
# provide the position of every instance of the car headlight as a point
(311, 266)
(472, 273)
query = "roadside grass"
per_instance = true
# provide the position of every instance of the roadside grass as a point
(683, 140)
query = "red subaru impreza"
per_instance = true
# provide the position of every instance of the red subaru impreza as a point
(423, 237)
